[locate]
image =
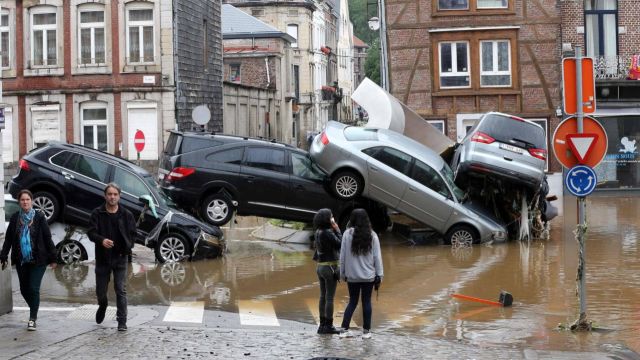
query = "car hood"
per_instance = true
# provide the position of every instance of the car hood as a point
(483, 212)
(184, 219)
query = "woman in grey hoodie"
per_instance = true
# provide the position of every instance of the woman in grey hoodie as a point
(360, 264)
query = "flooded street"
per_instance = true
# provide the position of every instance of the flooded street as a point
(415, 296)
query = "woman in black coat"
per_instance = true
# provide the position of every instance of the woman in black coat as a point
(327, 242)
(29, 239)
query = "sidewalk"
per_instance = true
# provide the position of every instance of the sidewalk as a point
(71, 333)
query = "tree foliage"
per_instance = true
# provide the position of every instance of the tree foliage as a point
(372, 64)
(359, 18)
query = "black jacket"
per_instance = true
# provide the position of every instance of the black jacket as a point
(327, 242)
(99, 224)
(43, 250)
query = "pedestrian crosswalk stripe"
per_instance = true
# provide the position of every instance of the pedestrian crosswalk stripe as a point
(257, 313)
(185, 312)
(24, 308)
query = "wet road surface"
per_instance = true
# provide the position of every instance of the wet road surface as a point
(415, 297)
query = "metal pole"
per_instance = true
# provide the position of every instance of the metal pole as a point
(384, 78)
(581, 200)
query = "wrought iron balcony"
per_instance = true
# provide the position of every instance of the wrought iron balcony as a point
(612, 67)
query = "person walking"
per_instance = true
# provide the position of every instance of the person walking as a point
(113, 229)
(327, 243)
(29, 239)
(361, 267)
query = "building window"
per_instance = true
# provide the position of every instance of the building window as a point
(454, 65)
(4, 39)
(257, 12)
(495, 63)
(94, 126)
(438, 124)
(601, 33)
(140, 35)
(473, 6)
(234, 73)
(92, 38)
(45, 124)
(293, 31)
(453, 4)
(493, 4)
(44, 44)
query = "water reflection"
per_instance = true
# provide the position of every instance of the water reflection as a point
(415, 296)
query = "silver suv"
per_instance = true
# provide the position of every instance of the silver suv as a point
(505, 146)
(403, 174)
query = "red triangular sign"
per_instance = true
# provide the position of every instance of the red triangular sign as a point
(581, 145)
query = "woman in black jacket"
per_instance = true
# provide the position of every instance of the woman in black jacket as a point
(29, 239)
(327, 242)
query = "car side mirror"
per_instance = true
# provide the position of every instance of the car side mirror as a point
(144, 201)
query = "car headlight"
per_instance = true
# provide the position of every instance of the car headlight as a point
(211, 239)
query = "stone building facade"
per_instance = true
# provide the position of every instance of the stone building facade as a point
(452, 60)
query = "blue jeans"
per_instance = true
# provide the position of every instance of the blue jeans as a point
(327, 289)
(118, 265)
(354, 293)
(30, 277)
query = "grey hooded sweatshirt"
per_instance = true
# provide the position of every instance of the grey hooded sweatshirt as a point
(360, 268)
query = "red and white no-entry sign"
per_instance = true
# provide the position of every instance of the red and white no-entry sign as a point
(138, 141)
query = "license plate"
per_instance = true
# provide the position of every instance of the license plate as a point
(512, 148)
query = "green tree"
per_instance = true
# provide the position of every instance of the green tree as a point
(372, 64)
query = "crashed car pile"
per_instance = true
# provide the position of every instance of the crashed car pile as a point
(494, 188)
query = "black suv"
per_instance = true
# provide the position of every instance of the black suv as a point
(214, 175)
(73, 178)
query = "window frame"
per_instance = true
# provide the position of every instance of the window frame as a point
(239, 77)
(601, 38)
(39, 10)
(297, 34)
(474, 38)
(140, 25)
(473, 9)
(94, 123)
(91, 7)
(442, 122)
(454, 64)
(6, 12)
(496, 54)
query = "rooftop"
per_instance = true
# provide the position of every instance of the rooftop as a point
(236, 24)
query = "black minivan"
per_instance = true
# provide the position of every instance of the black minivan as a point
(68, 181)
(214, 175)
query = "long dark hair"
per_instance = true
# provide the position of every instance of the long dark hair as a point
(322, 220)
(361, 244)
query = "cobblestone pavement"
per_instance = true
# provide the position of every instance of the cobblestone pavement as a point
(63, 334)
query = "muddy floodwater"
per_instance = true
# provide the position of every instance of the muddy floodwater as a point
(415, 296)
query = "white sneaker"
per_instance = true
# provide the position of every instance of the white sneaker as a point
(366, 334)
(346, 334)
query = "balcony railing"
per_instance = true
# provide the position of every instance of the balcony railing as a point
(611, 67)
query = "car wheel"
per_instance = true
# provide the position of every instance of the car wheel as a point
(217, 209)
(70, 252)
(172, 247)
(461, 235)
(48, 204)
(346, 185)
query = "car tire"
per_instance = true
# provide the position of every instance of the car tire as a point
(172, 247)
(346, 185)
(217, 209)
(69, 252)
(461, 235)
(48, 204)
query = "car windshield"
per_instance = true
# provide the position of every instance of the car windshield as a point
(163, 198)
(447, 174)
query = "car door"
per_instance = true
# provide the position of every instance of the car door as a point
(264, 183)
(85, 178)
(133, 187)
(388, 169)
(427, 198)
(308, 188)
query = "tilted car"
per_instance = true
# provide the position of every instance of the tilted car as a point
(214, 175)
(403, 174)
(503, 146)
(72, 243)
(68, 182)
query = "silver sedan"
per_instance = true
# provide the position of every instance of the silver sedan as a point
(403, 174)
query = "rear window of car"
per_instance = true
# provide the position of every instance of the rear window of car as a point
(360, 134)
(505, 129)
(190, 144)
(172, 144)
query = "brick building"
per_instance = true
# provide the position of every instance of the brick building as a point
(95, 72)
(452, 60)
(609, 31)
(360, 49)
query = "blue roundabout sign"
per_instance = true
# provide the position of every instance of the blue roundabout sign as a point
(581, 180)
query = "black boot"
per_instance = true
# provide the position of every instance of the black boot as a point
(329, 328)
(322, 327)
